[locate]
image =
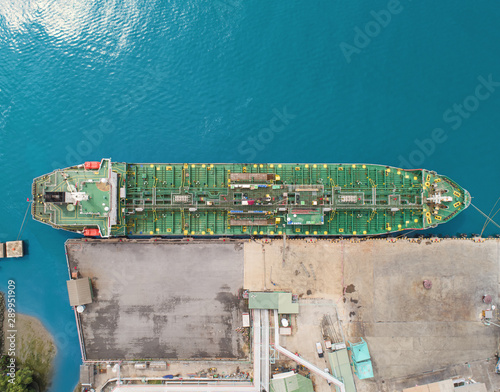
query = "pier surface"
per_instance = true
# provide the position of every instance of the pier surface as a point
(160, 300)
(179, 299)
(376, 287)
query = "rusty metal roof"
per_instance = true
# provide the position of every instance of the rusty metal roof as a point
(79, 291)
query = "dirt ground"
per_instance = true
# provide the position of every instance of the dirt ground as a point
(306, 332)
(376, 288)
(309, 268)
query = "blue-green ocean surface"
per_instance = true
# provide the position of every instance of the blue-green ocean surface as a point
(403, 83)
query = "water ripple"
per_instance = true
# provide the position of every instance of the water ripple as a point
(103, 29)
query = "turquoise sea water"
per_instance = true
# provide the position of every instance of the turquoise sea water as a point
(409, 83)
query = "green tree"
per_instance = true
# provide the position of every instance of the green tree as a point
(24, 377)
(4, 361)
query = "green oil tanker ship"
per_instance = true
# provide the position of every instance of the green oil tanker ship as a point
(109, 199)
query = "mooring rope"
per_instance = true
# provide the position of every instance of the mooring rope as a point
(488, 219)
(24, 220)
(491, 216)
(405, 234)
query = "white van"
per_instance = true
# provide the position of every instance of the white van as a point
(319, 349)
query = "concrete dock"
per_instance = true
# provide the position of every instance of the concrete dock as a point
(177, 299)
(161, 300)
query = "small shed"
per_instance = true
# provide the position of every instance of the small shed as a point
(159, 365)
(290, 382)
(363, 369)
(87, 375)
(273, 300)
(360, 351)
(361, 359)
(246, 320)
(79, 291)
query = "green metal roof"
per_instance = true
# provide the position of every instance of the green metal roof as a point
(294, 383)
(285, 304)
(341, 368)
(363, 367)
(359, 351)
(273, 300)
(261, 300)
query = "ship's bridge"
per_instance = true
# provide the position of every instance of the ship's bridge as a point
(78, 198)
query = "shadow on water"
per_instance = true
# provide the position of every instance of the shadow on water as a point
(26, 247)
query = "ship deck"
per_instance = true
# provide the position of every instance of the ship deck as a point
(94, 212)
(243, 200)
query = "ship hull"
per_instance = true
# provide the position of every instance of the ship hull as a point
(110, 199)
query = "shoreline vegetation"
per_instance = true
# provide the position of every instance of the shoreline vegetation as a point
(35, 351)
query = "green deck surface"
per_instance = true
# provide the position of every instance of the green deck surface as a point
(249, 199)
